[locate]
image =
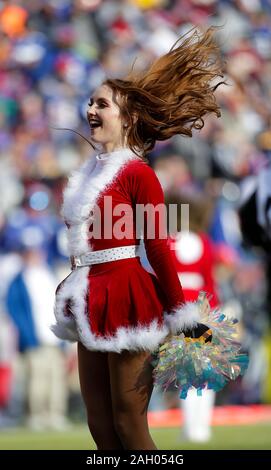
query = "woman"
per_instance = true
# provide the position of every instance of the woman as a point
(117, 311)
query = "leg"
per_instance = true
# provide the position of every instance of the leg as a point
(95, 388)
(37, 383)
(205, 409)
(57, 388)
(197, 413)
(131, 388)
(190, 414)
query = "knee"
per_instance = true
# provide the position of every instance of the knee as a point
(103, 433)
(96, 429)
(126, 425)
(121, 425)
(133, 432)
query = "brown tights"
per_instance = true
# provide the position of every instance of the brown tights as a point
(116, 389)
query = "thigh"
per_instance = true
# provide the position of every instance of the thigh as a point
(131, 382)
(95, 382)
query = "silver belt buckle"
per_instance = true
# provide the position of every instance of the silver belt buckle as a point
(77, 261)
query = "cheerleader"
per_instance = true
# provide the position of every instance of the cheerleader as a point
(117, 311)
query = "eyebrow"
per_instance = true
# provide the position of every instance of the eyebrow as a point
(100, 98)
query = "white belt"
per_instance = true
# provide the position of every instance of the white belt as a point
(102, 256)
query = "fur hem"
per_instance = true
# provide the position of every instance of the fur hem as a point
(140, 338)
(76, 327)
(65, 332)
(184, 317)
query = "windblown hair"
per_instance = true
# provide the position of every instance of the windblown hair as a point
(174, 94)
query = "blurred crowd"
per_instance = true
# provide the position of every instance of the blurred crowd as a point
(53, 54)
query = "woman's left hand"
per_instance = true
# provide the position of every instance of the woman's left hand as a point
(198, 331)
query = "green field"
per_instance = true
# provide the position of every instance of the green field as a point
(227, 437)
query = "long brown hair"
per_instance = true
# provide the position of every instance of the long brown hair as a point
(174, 94)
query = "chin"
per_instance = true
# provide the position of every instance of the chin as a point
(94, 138)
(97, 140)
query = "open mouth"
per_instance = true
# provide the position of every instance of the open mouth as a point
(94, 123)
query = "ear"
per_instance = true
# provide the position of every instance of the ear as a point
(134, 117)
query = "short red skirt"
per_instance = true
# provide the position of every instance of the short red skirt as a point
(112, 306)
(123, 294)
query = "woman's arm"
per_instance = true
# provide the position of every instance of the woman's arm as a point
(146, 189)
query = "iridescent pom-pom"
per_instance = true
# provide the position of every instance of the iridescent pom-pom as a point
(191, 362)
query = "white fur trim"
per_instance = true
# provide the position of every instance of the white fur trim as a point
(76, 327)
(65, 332)
(185, 316)
(140, 338)
(82, 192)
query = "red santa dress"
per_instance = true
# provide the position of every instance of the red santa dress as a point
(118, 305)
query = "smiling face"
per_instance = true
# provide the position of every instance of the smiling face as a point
(105, 120)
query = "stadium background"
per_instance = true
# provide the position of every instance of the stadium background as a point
(53, 53)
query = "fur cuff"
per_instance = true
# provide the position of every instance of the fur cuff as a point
(64, 332)
(183, 317)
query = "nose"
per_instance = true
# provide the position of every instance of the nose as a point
(91, 110)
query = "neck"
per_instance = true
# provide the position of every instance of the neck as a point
(108, 147)
(113, 147)
(123, 151)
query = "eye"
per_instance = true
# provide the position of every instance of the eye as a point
(101, 104)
